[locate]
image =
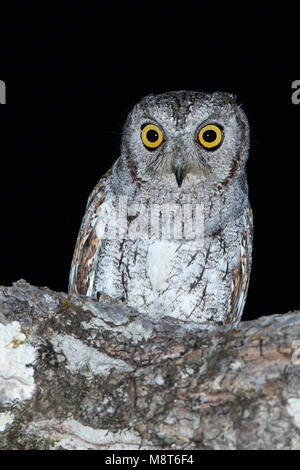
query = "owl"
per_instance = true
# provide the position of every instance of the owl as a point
(168, 229)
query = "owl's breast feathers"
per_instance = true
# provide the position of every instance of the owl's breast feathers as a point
(87, 250)
(87, 246)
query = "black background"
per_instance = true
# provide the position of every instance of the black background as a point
(72, 75)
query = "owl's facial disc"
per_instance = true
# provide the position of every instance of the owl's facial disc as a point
(171, 154)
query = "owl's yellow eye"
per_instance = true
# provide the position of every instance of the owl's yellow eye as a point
(210, 136)
(152, 136)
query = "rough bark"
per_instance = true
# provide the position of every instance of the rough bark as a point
(78, 374)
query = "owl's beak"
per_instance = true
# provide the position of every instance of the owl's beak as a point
(179, 175)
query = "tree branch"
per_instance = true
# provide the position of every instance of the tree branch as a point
(78, 374)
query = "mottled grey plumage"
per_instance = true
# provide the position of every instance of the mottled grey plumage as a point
(167, 276)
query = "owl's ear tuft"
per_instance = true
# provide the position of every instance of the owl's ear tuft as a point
(230, 97)
(225, 96)
(233, 98)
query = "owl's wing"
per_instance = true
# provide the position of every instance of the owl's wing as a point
(241, 274)
(84, 261)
